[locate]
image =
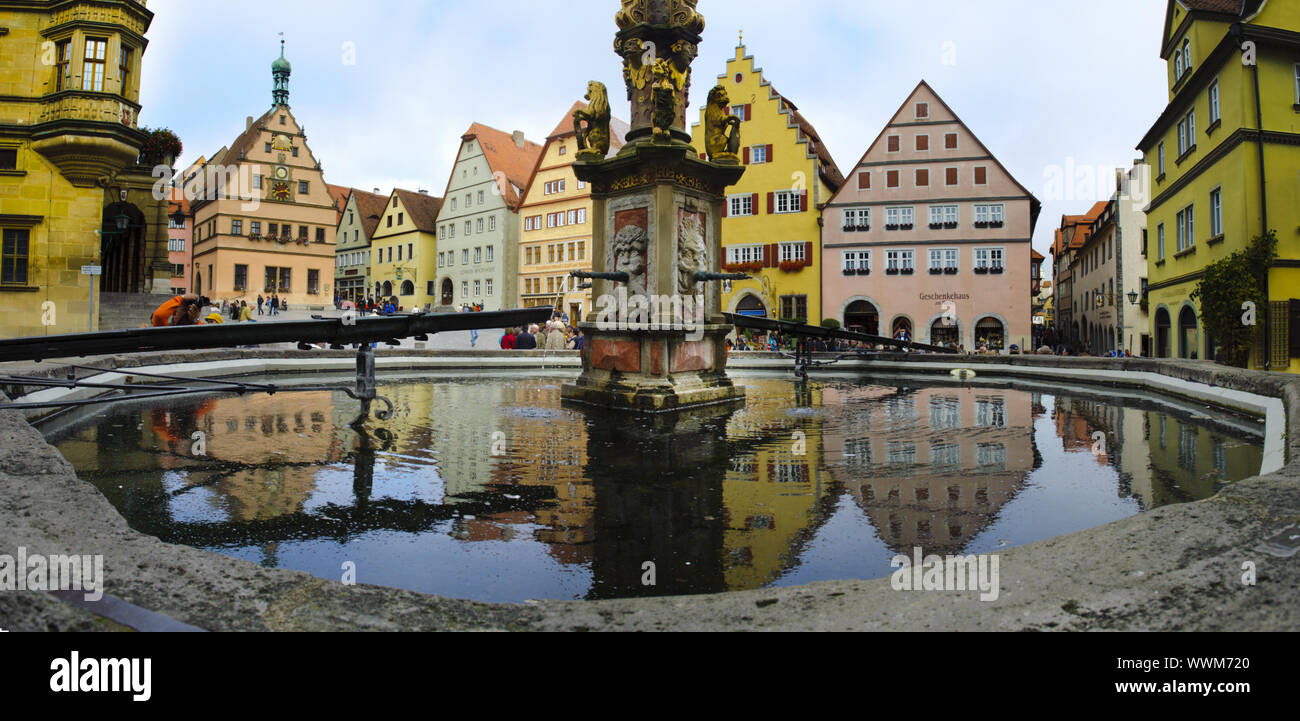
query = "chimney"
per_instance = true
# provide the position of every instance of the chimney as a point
(519, 138)
(377, 191)
(248, 123)
(423, 192)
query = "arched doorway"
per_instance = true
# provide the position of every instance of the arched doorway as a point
(1187, 333)
(1162, 333)
(121, 249)
(388, 289)
(378, 289)
(447, 292)
(990, 333)
(863, 317)
(408, 288)
(751, 306)
(901, 324)
(944, 331)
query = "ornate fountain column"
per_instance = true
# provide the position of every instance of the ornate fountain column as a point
(656, 337)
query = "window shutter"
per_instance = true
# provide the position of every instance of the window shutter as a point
(808, 254)
(864, 180)
(803, 201)
(726, 207)
(746, 155)
(776, 254)
(771, 203)
(767, 256)
(769, 154)
(748, 111)
(753, 204)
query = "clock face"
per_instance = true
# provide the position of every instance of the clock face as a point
(280, 142)
(280, 191)
(282, 173)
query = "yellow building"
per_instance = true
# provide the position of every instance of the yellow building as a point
(264, 218)
(556, 218)
(772, 222)
(69, 165)
(404, 247)
(1224, 155)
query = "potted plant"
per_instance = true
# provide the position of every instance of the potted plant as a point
(981, 224)
(160, 147)
(891, 227)
(981, 270)
(908, 271)
(936, 226)
(906, 226)
(864, 270)
(996, 270)
(950, 271)
(936, 271)
(950, 226)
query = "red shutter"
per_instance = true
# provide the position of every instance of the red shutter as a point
(769, 154)
(771, 203)
(753, 204)
(808, 254)
(746, 155)
(864, 180)
(749, 111)
(726, 206)
(776, 254)
(803, 201)
(767, 256)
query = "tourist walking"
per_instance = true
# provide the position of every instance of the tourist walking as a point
(275, 304)
(260, 301)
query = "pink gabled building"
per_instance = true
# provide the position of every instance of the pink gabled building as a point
(180, 240)
(930, 235)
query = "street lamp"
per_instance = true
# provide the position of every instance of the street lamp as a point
(1133, 297)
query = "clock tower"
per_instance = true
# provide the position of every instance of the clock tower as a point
(280, 71)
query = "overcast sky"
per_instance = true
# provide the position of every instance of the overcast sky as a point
(1044, 84)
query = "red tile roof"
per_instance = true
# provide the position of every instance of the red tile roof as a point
(505, 156)
(422, 208)
(371, 207)
(340, 195)
(826, 166)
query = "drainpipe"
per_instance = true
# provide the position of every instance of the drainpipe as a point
(1263, 207)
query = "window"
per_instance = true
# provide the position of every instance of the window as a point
(745, 254)
(943, 259)
(489, 257)
(255, 227)
(442, 261)
(176, 245)
(124, 68)
(478, 288)
(789, 201)
(740, 205)
(894, 143)
(492, 223)
(922, 142)
(758, 154)
(1160, 158)
(399, 254)
(573, 217)
(257, 182)
(793, 252)
(480, 197)
(451, 230)
(451, 259)
(897, 261)
(1187, 55)
(981, 175)
(1187, 133)
(944, 215)
(410, 251)
(855, 260)
(582, 250)
(856, 219)
(1297, 83)
(1178, 64)
(268, 147)
(989, 258)
(572, 252)
(62, 56)
(236, 227)
(302, 232)
(922, 177)
(464, 257)
(1214, 102)
(274, 230)
(950, 141)
(390, 221)
(14, 248)
(278, 280)
(1186, 230)
(488, 287)
(891, 179)
(950, 176)
(990, 215)
(92, 71)
(453, 203)
(464, 288)
(1216, 212)
(478, 255)
(794, 307)
(469, 200)
(478, 226)
(295, 151)
(320, 235)
(528, 223)
(241, 278)
(922, 112)
(899, 218)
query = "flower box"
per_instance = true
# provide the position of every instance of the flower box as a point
(936, 271)
(793, 266)
(892, 271)
(950, 271)
(891, 227)
(996, 224)
(908, 271)
(908, 226)
(981, 224)
(864, 271)
(981, 271)
(997, 271)
(864, 228)
(950, 226)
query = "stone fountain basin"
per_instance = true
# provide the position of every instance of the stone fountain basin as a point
(1173, 568)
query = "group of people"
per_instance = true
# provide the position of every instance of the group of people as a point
(556, 335)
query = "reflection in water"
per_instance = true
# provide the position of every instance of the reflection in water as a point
(492, 489)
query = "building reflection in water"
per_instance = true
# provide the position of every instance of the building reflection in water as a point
(491, 489)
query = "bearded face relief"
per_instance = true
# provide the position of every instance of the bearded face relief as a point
(629, 250)
(691, 253)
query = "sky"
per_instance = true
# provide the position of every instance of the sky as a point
(386, 88)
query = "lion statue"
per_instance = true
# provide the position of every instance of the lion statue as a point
(722, 129)
(594, 140)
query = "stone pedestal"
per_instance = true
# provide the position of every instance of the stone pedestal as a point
(657, 342)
